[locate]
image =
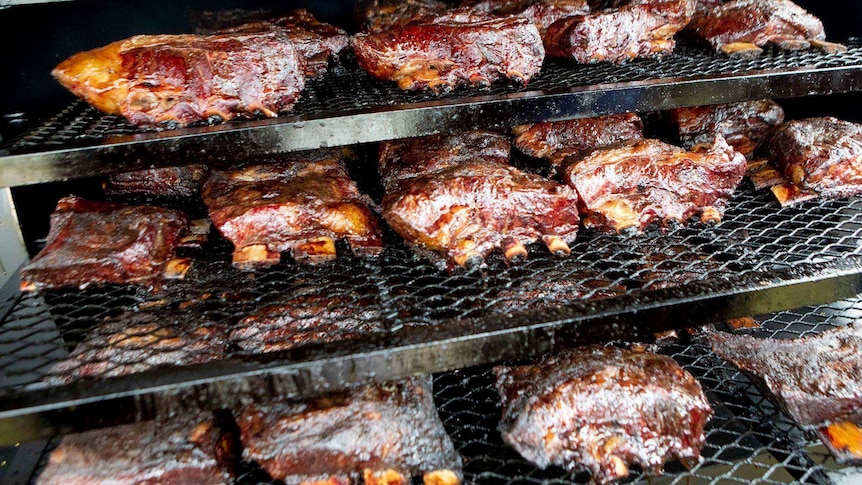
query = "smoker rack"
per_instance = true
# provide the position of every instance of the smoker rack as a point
(762, 258)
(748, 440)
(347, 106)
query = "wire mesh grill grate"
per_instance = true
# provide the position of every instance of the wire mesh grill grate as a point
(748, 440)
(347, 89)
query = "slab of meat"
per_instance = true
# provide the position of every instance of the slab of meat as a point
(562, 139)
(99, 242)
(462, 47)
(375, 16)
(174, 80)
(138, 341)
(385, 433)
(168, 182)
(820, 155)
(543, 13)
(642, 28)
(553, 288)
(814, 379)
(307, 319)
(628, 186)
(602, 409)
(403, 160)
(297, 204)
(184, 449)
(316, 41)
(744, 26)
(466, 205)
(744, 125)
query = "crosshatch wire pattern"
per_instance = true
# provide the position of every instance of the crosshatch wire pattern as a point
(748, 440)
(124, 328)
(347, 88)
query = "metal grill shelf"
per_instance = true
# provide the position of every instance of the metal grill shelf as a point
(761, 259)
(748, 441)
(347, 106)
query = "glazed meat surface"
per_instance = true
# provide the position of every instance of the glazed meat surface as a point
(602, 409)
(138, 341)
(542, 13)
(297, 205)
(815, 378)
(316, 41)
(384, 432)
(307, 319)
(639, 29)
(99, 242)
(628, 186)
(744, 125)
(823, 155)
(174, 80)
(185, 449)
(168, 182)
(559, 140)
(465, 205)
(460, 48)
(743, 26)
(375, 16)
(553, 288)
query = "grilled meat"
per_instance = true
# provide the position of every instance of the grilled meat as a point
(297, 204)
(138, 341)
(169, 80)
(742, 27)
(375, 16)
(99, 242)
(316, 41)
(168, 182)
(543, 13)
(628, 186)
(185, 449)
(386, 432)
(462, 47)
(744, 125)
(466, 203)
(553, 288)
(814, 379)
(306, 319)
(821, 155)
(603, 408)
(643, 28)
(562, 139)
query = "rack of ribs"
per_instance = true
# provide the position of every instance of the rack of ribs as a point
(642, 28)
(174, 80)
(815, 379)
(553, 288)
(307, 319)
(384, 433)
(138, 341)
(300, 204)
(744, 125)
(559, 140)
(542, 13)
(457, 196)
(742, 27)
(376, 16)
(627, 187)
(168, 182)
(817, 156)
(602, 409)
(188, 448)
(461, 47)
(101, 242)
(316, 41)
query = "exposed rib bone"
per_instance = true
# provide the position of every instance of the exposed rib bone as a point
(556, 245)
